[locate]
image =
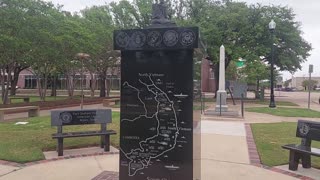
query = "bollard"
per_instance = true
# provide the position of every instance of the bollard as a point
(201, 101)
(220, 104)
(242, 105)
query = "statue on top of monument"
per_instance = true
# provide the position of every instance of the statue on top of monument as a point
(160, 14)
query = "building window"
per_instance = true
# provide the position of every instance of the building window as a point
(30, 82)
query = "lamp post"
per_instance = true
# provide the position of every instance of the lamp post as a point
(82, 56)
(272, 27)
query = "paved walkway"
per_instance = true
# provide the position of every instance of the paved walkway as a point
(84, 168)
(225, 153)
(221, 153)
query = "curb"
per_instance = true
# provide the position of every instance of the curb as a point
(9, 163)
(255, 158)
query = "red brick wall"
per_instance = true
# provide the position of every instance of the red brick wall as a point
(208, 84)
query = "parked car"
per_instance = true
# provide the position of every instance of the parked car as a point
(288, 89)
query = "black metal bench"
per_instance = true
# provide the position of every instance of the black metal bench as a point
(308, 131)
(82, 117)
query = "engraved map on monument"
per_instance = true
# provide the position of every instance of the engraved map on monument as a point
(155, 109)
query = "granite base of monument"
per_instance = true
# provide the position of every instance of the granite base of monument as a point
(221, 104)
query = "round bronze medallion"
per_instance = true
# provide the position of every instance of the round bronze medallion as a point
(65, 117)
(304, 129)
(170, 38)
(154, 39)
(138, 39)
(122, 39)
(187, 38)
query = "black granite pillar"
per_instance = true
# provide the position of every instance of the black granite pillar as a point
(156, 129)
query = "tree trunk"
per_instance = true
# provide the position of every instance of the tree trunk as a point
(2, 74)
(4, 88)
(42, 87)
(5, 98)
(54, 86)
(108, 87)
(257, 89)
(70, 85)
(93, 84)
(102, 86)
(14, 83)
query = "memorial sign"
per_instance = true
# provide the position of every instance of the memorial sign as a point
(77, 117)
(156, 129)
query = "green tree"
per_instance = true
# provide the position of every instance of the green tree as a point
(103, 57)
(243, 30)
(287, 82)
(17, 18)
(312, 84)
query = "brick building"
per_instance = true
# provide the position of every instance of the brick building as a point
(297, 82)
(208, 83)
(27, 80)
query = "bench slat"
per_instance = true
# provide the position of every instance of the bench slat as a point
(303, 149)
(82, 134)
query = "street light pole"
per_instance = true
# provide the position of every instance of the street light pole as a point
(272, 26)
(81, 105)
(82, 56)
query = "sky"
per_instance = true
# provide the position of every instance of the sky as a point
(307, 12)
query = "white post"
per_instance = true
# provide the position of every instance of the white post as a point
(221, 105)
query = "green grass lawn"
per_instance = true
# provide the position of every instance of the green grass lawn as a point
(25, 143)
(278, 103)
(270, 137)
(286, 112)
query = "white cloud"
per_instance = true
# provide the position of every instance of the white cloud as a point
(77, 5)
(307, 12)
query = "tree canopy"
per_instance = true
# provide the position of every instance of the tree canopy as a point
(40, 35)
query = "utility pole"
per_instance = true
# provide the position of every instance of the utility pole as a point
(309, 97)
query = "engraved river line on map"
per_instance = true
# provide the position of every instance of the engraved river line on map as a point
(162, 120)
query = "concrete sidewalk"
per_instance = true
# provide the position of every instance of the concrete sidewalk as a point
(84, 168)
(225, 154)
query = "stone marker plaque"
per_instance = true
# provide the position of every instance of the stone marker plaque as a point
(77, 117)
